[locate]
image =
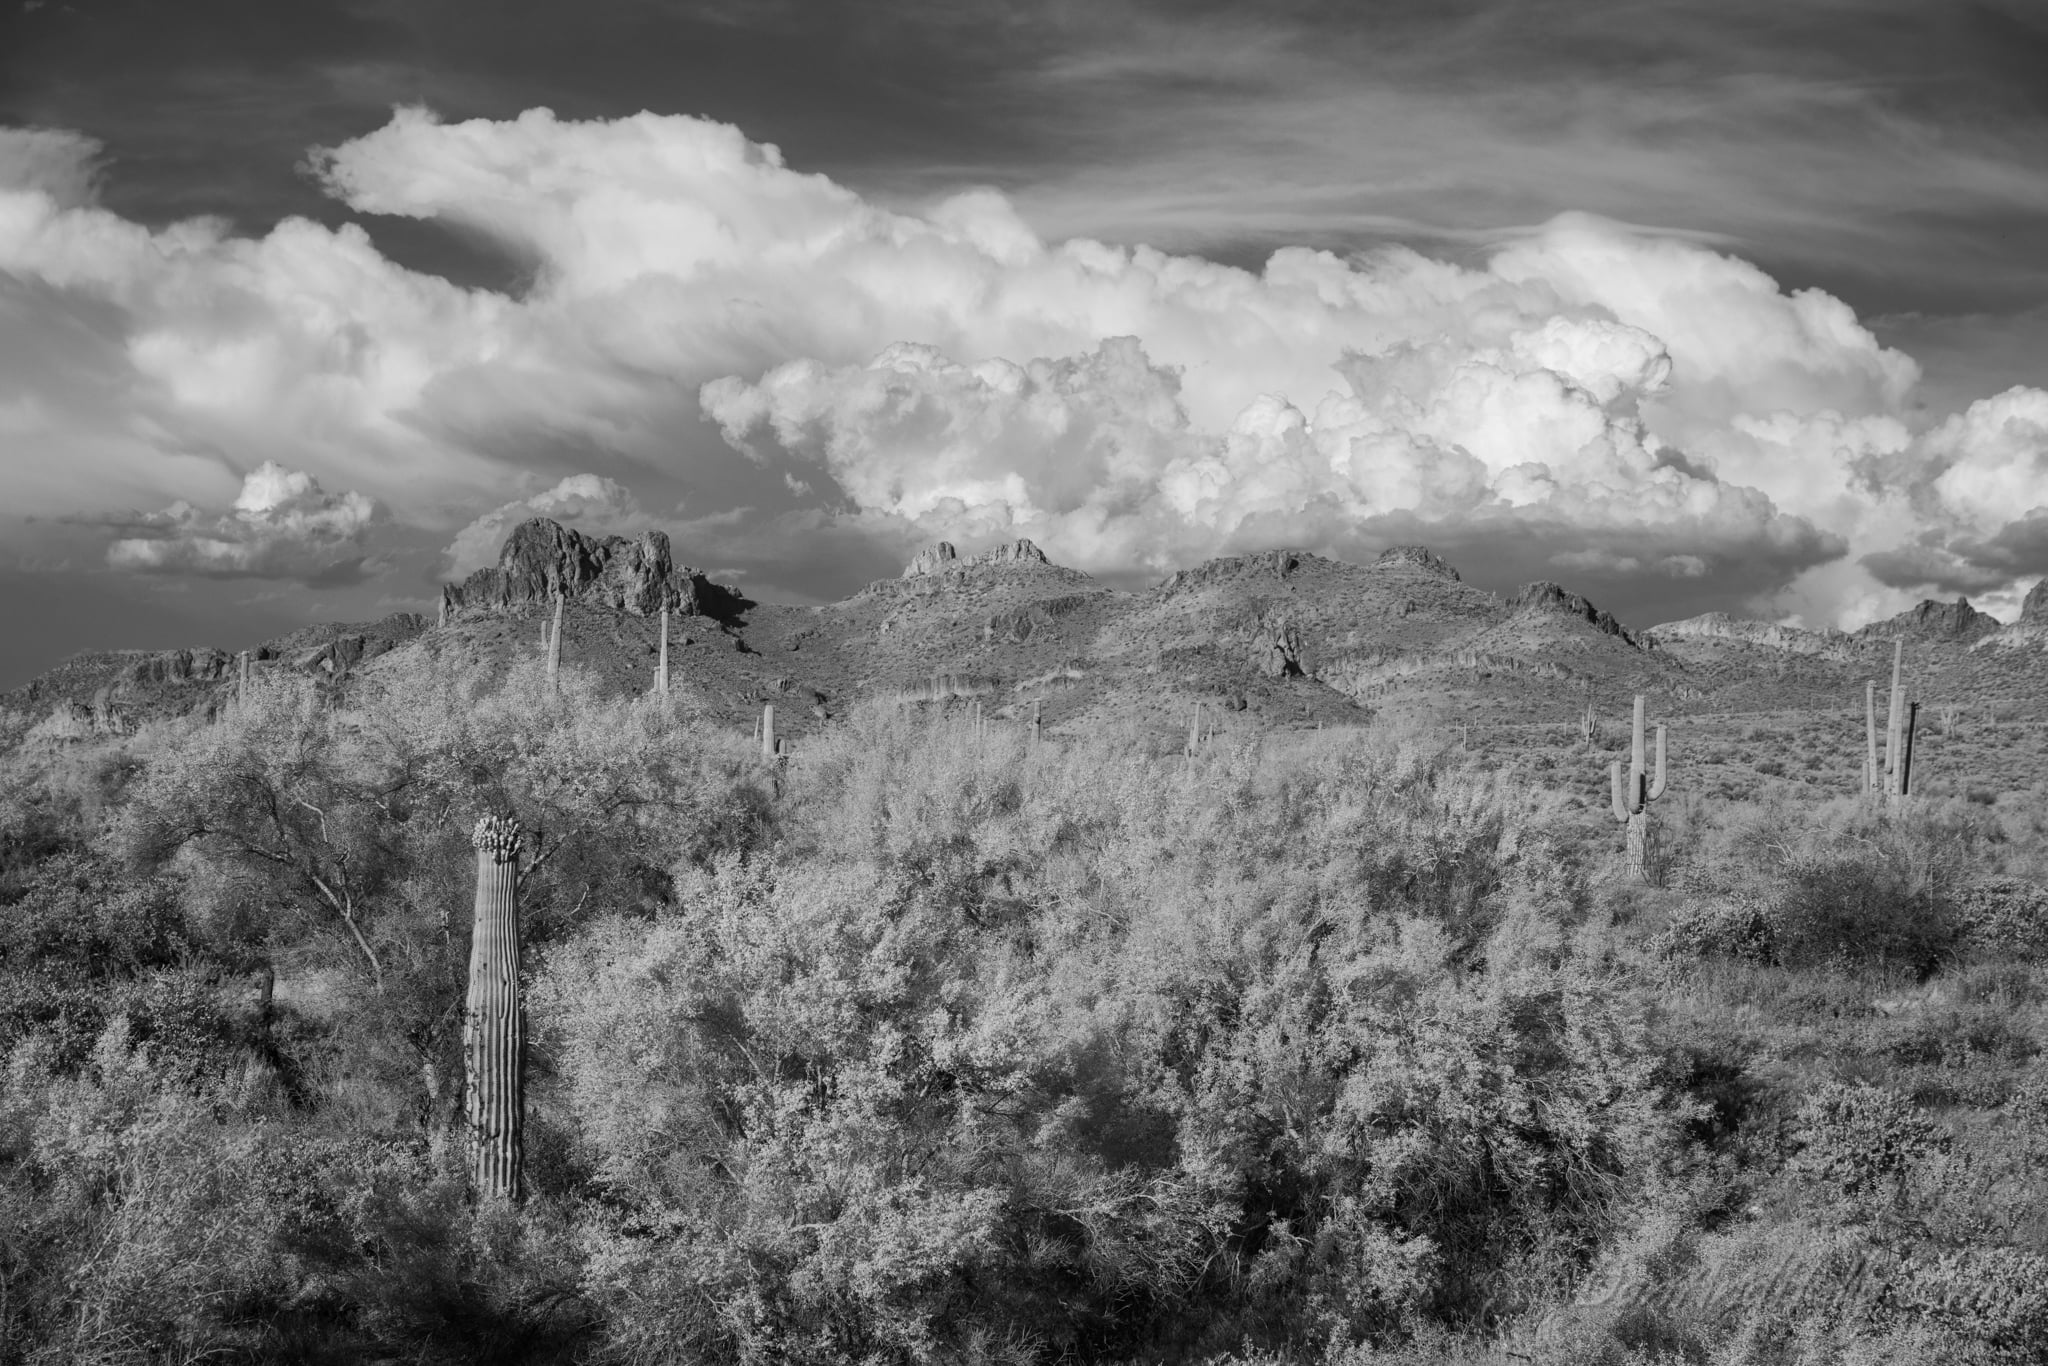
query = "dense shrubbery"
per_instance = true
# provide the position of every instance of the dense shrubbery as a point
(925, 1049)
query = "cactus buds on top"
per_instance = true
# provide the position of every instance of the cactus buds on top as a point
(1631, 799)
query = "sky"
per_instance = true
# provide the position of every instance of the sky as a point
(1691, 305)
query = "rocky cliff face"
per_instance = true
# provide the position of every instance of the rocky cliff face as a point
(1719, 626)
(942, 558)
(543, 559)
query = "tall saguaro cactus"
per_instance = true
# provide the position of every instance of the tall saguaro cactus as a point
(555, 647)
(1898, 740)
(1632, 801)
(493, 1025)
(1870, 769)
(768, 731)
(661, 668)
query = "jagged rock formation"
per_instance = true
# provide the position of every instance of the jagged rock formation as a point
(1544, 596)
(543, 560)
(2034, 609)
(1934, 620)
(941, 558)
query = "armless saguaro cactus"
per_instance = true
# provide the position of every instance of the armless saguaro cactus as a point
(1898, 740)
(1869, 737)
(1632, 802)
(493, 1025)
(1195, 731)
(555, 647)
(661, 668)
(768, 731)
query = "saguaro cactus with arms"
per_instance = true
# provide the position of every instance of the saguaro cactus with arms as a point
(493, 1024)
(1632, 799)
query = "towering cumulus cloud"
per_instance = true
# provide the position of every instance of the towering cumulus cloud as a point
(1591, 400)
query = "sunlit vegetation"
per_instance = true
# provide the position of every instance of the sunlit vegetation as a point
(936, 1045)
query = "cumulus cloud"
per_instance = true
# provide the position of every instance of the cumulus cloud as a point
(588, 502)
(54, 162)
(1593, 398)
(282, 525)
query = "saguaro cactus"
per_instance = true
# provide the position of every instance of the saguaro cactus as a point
(493, 1025)
(555, 646)
(1195, 731)
(1870, 737)
(768, 731)
(1037, 720)
(1898, 741)
(1632, 801)
(661, 668)
(242, 679)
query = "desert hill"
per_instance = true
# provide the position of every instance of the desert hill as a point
(1279, 639)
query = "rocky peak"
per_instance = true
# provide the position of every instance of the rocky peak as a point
(1276, 564)
(1549, 598)
(1934, 620)
(542, 560)
(1418, 557)
(2034, 611)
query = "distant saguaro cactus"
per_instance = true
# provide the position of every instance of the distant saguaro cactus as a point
(768, 731)
(1632, 801)
(242, 679)
(1037, 720)
(493, 1025)
(1195, 731)
(1870, 768)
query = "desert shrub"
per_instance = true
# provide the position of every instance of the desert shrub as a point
(2003, 916)
(1994, 1298)
(1863, 1139)
(1857, 907)
(1720, 927)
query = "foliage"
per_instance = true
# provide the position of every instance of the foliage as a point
(941, 1046)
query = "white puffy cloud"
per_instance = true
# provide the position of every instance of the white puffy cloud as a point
(1606, 399)
(282, 525)
(588, 502)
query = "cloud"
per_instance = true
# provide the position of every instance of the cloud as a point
(1585, 396)
(588, 502)
(54, 162)
(283, 525)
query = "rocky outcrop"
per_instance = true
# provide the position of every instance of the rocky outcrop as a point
(1276, 648)
(1417, 557)
(77, 721)
(941, 558)
(1934, 620)
(2034, 610)
(1548, 598)
(1720, 627)
(182, 666)
(1267, 564)
(1032, 619)
(543, 559)
(932, 559)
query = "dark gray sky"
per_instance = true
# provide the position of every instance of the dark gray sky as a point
(1893, 155)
